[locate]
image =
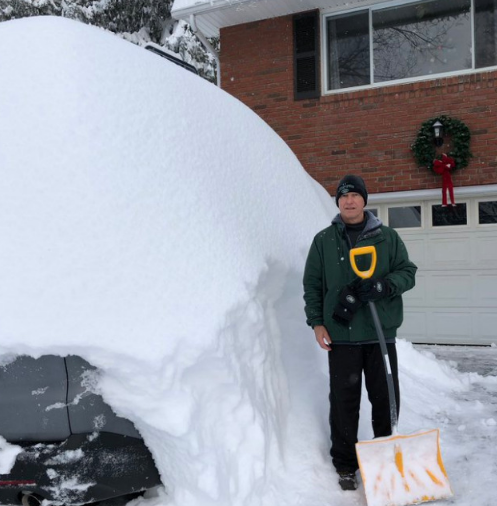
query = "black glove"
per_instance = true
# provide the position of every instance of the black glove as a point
(372, 289)
(348, 304)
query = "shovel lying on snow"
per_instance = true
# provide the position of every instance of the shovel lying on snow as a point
(398, 470)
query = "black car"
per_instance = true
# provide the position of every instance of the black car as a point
(75, 449)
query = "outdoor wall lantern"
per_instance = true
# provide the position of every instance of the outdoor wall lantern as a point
(438, 133)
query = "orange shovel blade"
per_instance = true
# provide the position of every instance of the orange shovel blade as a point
(401, 470)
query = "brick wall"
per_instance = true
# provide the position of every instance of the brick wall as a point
(365, 132)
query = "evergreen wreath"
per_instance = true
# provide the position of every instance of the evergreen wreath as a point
(424, 148)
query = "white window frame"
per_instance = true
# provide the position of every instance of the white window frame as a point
(372, 6)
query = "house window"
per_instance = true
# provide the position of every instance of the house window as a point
(409, 41)
(348, 50)
(447, 216)
(485, 33)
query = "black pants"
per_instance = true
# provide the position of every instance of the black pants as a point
(347, 363)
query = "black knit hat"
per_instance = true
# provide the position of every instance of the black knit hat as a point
(354, 184)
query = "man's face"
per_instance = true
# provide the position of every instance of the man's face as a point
(351, 207)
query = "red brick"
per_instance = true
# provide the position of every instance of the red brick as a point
(370, 131)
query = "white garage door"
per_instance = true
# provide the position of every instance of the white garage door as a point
(455, 249)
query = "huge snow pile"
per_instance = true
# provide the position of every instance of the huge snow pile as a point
(155, 226)
(152, 224)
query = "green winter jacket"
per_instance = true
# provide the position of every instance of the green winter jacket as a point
(328, 270)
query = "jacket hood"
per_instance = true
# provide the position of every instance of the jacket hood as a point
(372, 228)
(372, 222)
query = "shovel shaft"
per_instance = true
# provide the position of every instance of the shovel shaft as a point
(365, 274)
(386, 363)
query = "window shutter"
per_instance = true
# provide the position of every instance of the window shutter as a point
(306, 56)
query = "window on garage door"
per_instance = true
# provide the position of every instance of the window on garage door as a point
(428, 215)
(405, 217)
(449, 216)
(487, 212)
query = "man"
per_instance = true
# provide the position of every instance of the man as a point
(336, 308)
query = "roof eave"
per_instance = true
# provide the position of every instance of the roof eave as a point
(202, 8)
(213, 15)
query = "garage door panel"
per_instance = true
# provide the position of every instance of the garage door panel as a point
(417, 251)
(485, 325)
(449, 253)
(414, 326)
(453, 324)
(485, 249)
(485, 289)
(448, 289)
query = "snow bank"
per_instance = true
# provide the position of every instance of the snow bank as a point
(152, 224)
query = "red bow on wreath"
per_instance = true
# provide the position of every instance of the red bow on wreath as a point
(443, 167)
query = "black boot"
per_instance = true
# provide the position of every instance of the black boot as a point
(347, 480)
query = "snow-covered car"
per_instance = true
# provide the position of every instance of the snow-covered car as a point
(74, 448)
(153, 225)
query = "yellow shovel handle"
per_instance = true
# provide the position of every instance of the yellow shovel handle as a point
(365, 250)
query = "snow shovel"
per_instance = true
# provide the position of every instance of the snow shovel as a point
(398, 470)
